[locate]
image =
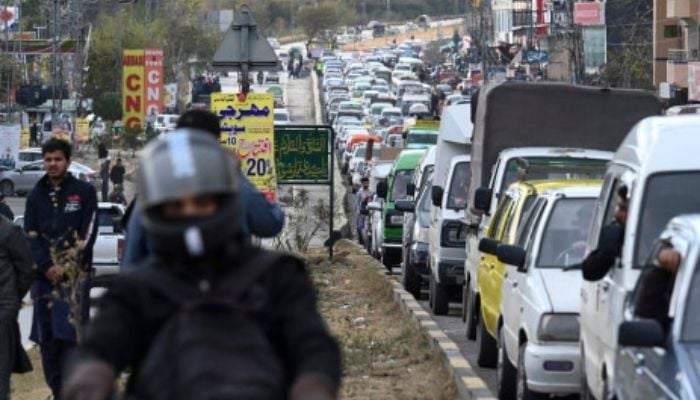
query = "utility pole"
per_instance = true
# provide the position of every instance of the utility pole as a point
(54, 54)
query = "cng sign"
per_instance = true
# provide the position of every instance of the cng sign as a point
(142, 89)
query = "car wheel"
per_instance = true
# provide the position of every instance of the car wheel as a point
(409, 278)
(506, 372)
(487, 350)
(470, 311)
(385, 261)
(524, 393)
(7, 188)
(439, 298)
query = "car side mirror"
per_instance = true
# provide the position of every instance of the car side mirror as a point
(404, 205)
(482, 199)
(436, 194)
(512, 255)
(641, 333)
(381, 190)
(410, 189)
(488, 245)
(374, 206)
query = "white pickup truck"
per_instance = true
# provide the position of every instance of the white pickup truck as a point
(109, 243)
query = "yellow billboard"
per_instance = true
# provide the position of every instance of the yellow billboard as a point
(247, 127)
(82, 130)
(133, 88)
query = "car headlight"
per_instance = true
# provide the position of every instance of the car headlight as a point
(559, 327)
(453, 234)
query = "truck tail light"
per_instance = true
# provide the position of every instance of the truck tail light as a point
(120, 249)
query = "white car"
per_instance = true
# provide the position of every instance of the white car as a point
(282, 117)
(109, 244)
(165, 123)
(28, 156)
(538, 346)
(660, 172)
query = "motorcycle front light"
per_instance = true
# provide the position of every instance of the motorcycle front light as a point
(559, 328)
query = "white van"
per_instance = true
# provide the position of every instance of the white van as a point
(449, 197)
(658, 165)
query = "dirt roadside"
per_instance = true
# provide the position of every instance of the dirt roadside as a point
(385, 354)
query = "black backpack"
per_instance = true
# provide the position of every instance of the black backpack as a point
(211, 349)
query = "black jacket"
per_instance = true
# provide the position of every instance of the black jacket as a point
(16, 268)
(74, 212)
(597, 264)
(116, 175)
(6, 211)
(131, 314)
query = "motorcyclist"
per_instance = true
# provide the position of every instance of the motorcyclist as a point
(208, 316)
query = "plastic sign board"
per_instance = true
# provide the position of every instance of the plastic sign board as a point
(133, 88)
(302, 154)
(82, 128)
(10, 136)
(589, 13)
(693, 81)
(247, 128)
(154, 91)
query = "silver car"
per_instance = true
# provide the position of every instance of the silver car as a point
(23, 180)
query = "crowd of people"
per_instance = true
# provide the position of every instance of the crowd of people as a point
(197, 311)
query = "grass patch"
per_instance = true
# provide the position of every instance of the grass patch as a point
(385, 355)
(30, 386)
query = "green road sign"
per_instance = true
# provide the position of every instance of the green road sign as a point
(303, 154)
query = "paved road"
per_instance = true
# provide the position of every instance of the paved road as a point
(454, 328)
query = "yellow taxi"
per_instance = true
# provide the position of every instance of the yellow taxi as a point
(513, 205)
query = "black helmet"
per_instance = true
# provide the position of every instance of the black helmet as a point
(188, 162)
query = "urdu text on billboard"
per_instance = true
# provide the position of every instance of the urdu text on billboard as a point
(589, 13)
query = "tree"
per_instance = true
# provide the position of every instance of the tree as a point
(108, 106)
(314, 20)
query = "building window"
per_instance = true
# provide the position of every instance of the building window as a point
(672, 31)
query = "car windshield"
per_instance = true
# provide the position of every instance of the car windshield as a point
(390, 114)
(398, 186)
(422, 138)
(457, 197)
(564, 239)
(547, 168)
(665, 196)
(350, 106)
(691, 316)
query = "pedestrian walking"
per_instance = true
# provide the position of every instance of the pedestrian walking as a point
(5, 209)
(362, 197)
(259, 216)
(16, 273)
(102, 152)
(60, 215)
(208, 316)
(104, 178)
(116, 175)
(34, 135)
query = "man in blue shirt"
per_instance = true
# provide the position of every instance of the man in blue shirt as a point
(261, 217)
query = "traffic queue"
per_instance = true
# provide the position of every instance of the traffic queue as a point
(563, 220)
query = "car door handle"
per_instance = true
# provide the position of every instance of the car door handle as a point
(514, 284)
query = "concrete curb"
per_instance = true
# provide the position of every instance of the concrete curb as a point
(469, 384)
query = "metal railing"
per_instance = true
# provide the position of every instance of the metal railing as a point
(677, 56)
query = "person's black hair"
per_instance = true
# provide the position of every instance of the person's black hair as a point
(364, 179)
(200, 119)
(55, 144)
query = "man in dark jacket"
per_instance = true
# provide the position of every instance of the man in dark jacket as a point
(257, 333)
(60, 215)
(597, 264)
(16, 274)
(116, 175)
(5, 210)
